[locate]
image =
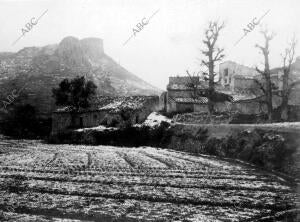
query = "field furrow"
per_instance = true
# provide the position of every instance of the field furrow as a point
(42, 182)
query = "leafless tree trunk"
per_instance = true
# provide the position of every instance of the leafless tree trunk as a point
(287, 85)
(194, 85)
(266, 86)
(213, 55)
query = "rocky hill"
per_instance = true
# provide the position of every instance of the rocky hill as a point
(34, 71)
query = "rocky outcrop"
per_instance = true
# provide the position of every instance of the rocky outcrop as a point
(92, 48)
(36, 70)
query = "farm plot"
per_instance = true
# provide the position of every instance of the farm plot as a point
(41, 182)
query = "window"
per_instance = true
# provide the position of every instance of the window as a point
(226, 72)
(81, 121)
(226, 76)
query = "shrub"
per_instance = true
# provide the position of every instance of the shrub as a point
(22, 122)
(239, 118)
(212, 146)
(270, 154)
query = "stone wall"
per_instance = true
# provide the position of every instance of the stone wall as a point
(151, 104)
(270, 147)
(63, 120)
(184, 107)
(248, 107)
(201, 118)
(243, 85)
(115, 117)
(186, 93)
(183, 79)
(60, 122)
(163, 99)
(171, 106)
(243, 107)
(200, 108)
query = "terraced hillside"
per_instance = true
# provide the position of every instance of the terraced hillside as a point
(41, 182)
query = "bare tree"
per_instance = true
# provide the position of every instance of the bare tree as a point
(266, 84)
(287, 82)
(194, 85)
(213, 55)
(199, 90)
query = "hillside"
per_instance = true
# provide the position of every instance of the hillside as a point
(36, 70)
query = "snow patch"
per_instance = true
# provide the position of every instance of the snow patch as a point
(154, 119)
(97, 128)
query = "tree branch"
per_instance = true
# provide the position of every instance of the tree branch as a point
(261, 86)
(205, 63)
(219, 56)
(260, 72)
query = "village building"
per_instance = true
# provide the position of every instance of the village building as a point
(241, 79)
(107, 111)
(180, 97)
(236, 80)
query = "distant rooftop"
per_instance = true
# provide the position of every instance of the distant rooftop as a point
(203, 100)
(113, 104)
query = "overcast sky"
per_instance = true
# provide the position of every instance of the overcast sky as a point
(168, 45)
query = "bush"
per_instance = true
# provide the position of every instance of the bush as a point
(240, 118)
(269, 150)
(270, 153)
(22, 122)
(212, 147)
(125, 136)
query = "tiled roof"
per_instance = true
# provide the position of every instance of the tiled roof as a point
(113, 104)
(204, 100)
(199, 100)
(125, 103)
(239, 96)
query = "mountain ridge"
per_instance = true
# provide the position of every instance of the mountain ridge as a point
(42, 68)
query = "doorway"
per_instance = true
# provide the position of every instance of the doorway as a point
(81, 122)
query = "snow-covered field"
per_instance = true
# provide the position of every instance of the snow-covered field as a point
(42, 182)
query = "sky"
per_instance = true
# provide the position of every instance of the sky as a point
(168, 45)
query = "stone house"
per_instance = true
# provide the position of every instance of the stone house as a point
(236, 77)
(179, 98)
(108, 111)
(241, 79)
(236, 80)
